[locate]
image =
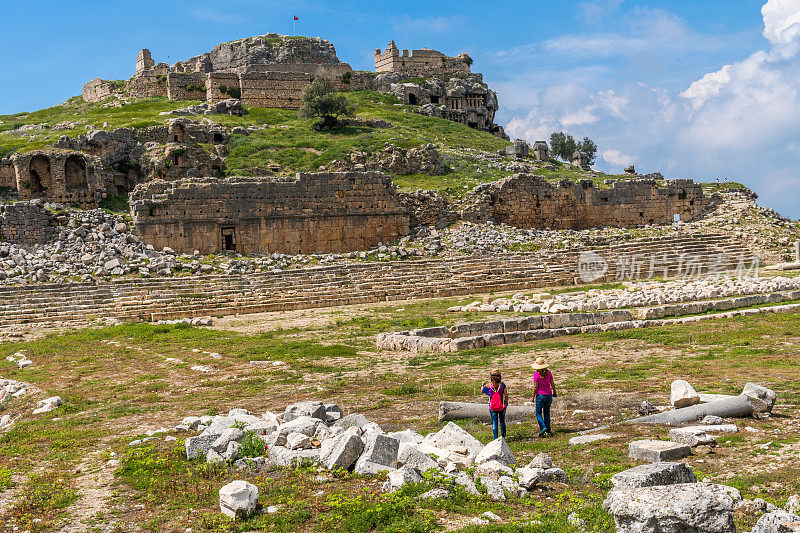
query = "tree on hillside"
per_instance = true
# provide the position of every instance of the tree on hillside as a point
(588, 147)
(320, 100)
(562, 146)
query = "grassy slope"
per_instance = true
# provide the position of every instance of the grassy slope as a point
(289, 141)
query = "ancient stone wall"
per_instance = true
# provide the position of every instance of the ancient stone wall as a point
(8, 177)
(274, 89)
(28, 224)
(422, 62)
(321, 212)
(527, 201)
(186, 86)
(148, 84)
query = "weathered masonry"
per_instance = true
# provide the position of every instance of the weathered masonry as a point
(263, 71)
(527, 201)
(424, 62)
(64, 176)
(318, 212)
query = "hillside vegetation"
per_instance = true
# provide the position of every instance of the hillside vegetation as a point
(279, 137)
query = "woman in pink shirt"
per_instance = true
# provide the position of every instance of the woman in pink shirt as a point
(544, 390)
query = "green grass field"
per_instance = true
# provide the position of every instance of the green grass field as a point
(117, 382)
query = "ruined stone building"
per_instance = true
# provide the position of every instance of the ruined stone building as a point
(272, 71)
(423, 63)
(264, 71)
(308, 213)
(85, 170)
(528, 201)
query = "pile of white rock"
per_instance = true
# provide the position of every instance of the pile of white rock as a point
(20, 359)
(315, 432)
(10, 388)
(649, 293)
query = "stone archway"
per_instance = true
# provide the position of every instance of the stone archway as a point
(412, 99)
(75, 172)
(41, 176)
(177, 133)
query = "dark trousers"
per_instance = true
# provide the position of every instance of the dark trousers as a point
(498, 418)
(543, 402)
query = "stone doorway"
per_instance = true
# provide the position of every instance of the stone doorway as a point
(40, 173)
(228, 239)
(75, 172)
(178, 133)
(412, 99)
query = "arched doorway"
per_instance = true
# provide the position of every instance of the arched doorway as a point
(177, 133)
(75, 172)
(40, 173)
(412, 99)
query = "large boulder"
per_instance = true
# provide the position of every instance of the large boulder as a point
(199, 445)
(762, 398)
(380, 453)
(310, 409)
(770, 522)
(454, 438)
(304, 424)
(652, 475)
(357, 420)
(395, 479)
(238, 499)
(410, 454)
(227, 436)
(497, 450)
(682, 394)
(681, 508)
(691, 437)
(342, 452)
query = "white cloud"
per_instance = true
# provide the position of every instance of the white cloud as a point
(617, 158)
(781, 20)
(649, 30)
(708, 86)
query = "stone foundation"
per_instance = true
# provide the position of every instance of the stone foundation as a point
(322, 212)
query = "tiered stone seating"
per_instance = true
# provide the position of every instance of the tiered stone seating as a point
(346, 284)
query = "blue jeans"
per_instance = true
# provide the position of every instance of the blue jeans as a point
(498, 417)
(543, 402)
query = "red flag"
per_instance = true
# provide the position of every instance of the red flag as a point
(295, 18)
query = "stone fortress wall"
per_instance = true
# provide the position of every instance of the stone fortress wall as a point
(319, 212)
(422, 63)
(528, 201)
(264, 71)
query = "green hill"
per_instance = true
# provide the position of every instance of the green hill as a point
(282, 138)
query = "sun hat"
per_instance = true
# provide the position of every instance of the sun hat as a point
(540, 364)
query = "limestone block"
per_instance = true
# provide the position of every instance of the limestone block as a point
(343, 451)
(682, 394)
(309, 408)
(238, 499)
(380, 453)
(698, 507)
(657, 451)
(653, 475)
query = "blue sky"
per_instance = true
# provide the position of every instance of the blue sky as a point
(692, 89)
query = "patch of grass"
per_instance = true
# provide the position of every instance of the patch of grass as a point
(41, 503)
